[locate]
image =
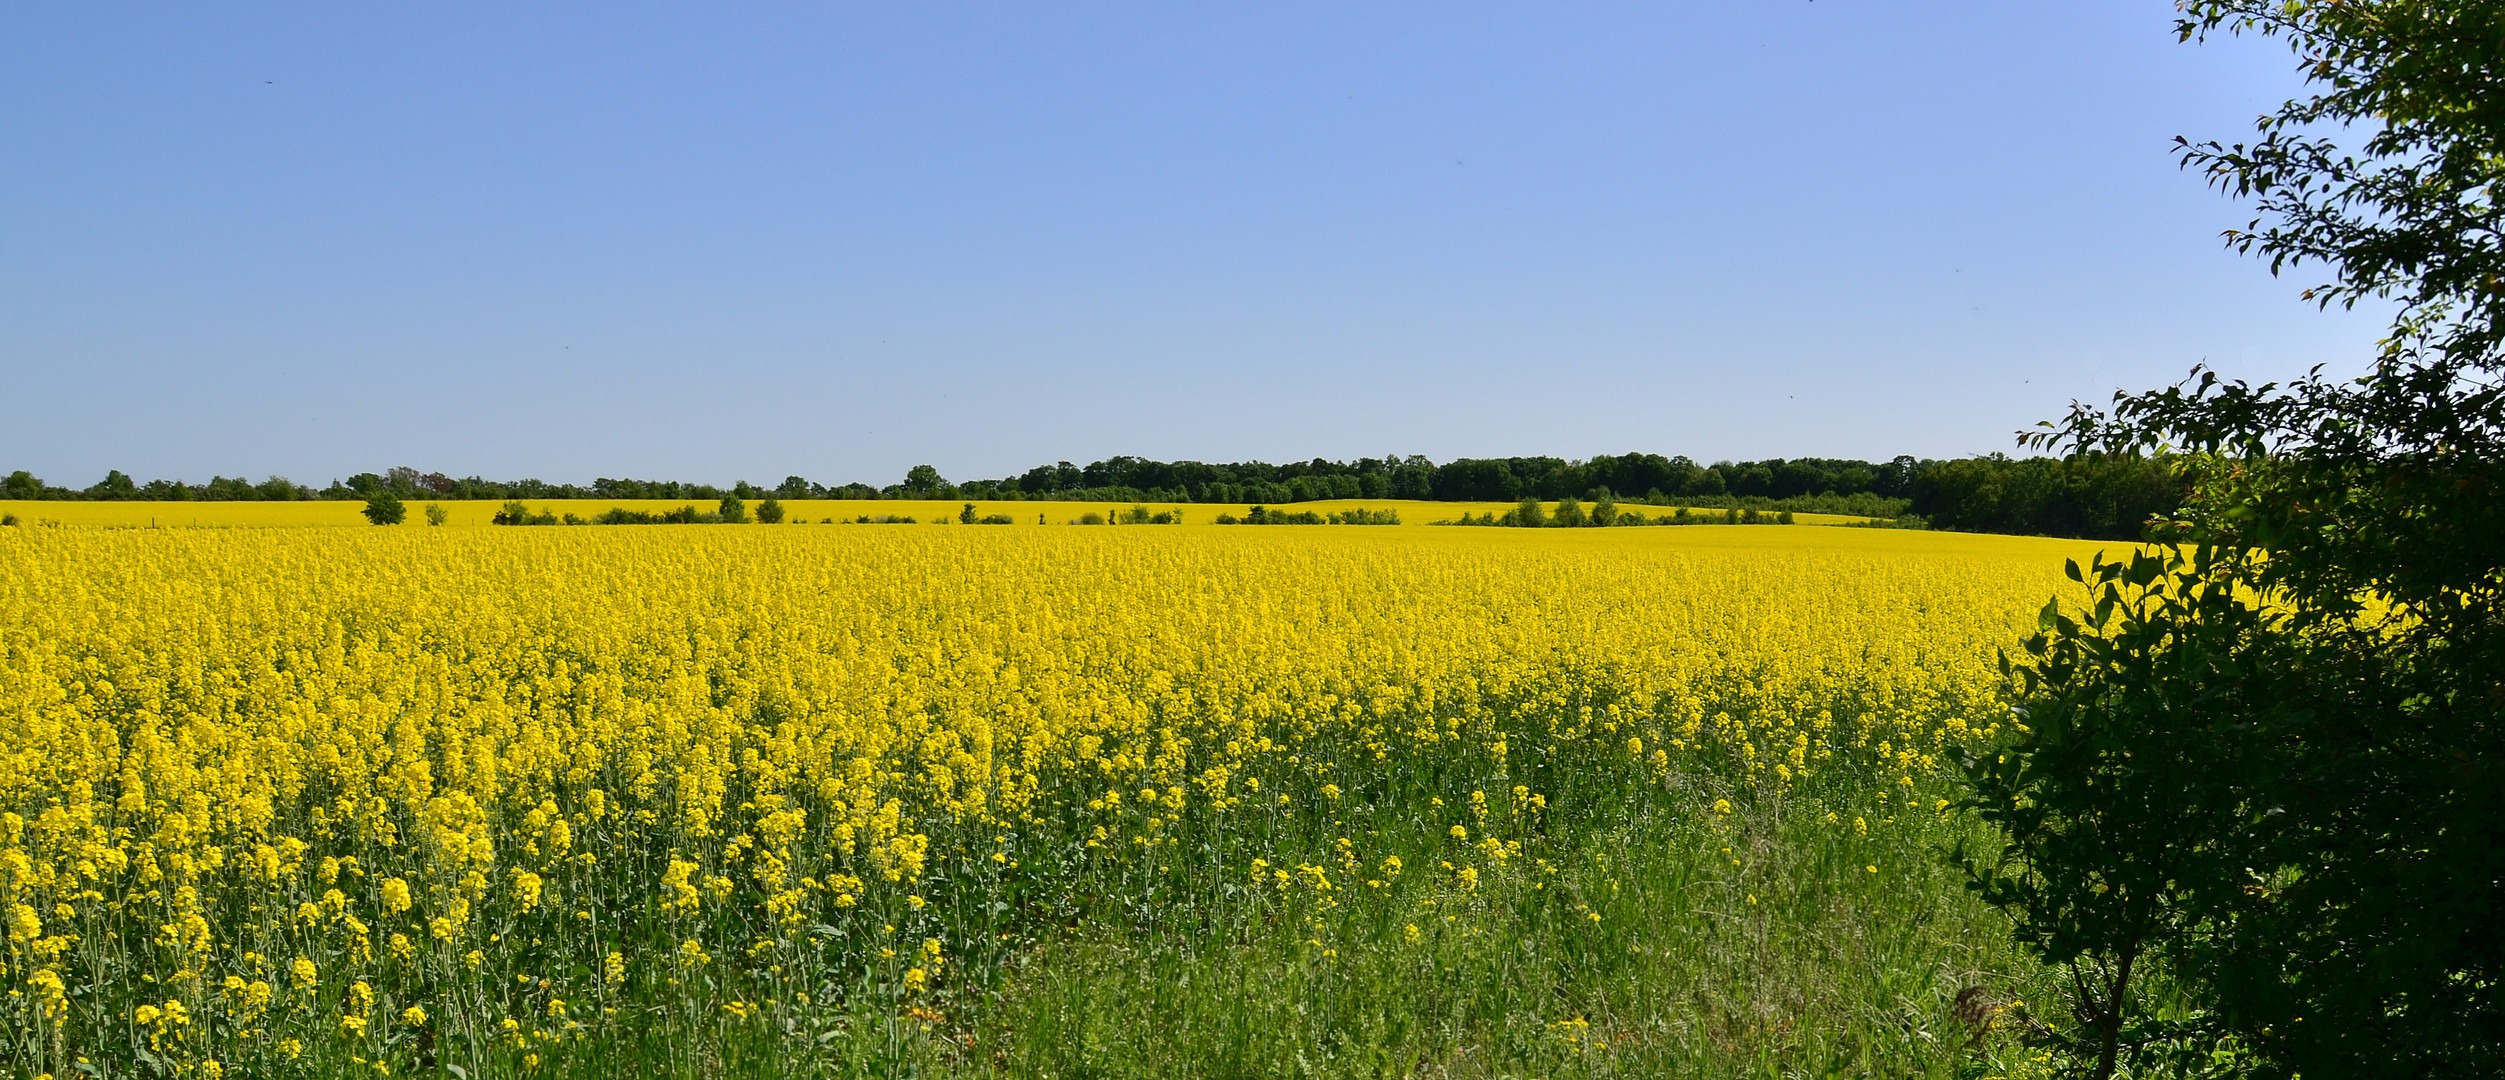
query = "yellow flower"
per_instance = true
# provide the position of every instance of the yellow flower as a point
(395, 896)
(682, 895)
(51, 993)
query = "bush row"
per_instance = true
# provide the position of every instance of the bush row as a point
(1607, 513)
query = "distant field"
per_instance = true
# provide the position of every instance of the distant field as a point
(800, 511)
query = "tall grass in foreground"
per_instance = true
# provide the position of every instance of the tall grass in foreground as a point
(1663, 931)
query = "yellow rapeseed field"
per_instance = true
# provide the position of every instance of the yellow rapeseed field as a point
(298, 801)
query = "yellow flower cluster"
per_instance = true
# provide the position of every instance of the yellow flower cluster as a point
(323, 785)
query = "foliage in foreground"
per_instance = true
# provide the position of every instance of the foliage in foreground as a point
(2268, 761)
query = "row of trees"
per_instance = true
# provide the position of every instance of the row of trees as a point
(117, 486)
(407, 483)
(2104, 497)
(1460, 480)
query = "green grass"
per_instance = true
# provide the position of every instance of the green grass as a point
(1639, 933)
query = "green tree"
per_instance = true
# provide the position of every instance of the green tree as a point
(21, 485)
(1530, 515)
(115, 485)
(733, 511)
(1604, 509)
(384, 508)
(924, 481)
(966, 516)
(435, 513)
(2265, 762)
(1569, 514)
(770, 512)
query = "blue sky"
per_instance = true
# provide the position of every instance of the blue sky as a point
(714, 242)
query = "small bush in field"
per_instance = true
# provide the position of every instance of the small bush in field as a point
(384, 508)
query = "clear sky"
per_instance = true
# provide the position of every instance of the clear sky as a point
(723, 241)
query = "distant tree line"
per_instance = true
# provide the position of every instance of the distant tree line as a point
(1606, 513)
(2090, 497)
